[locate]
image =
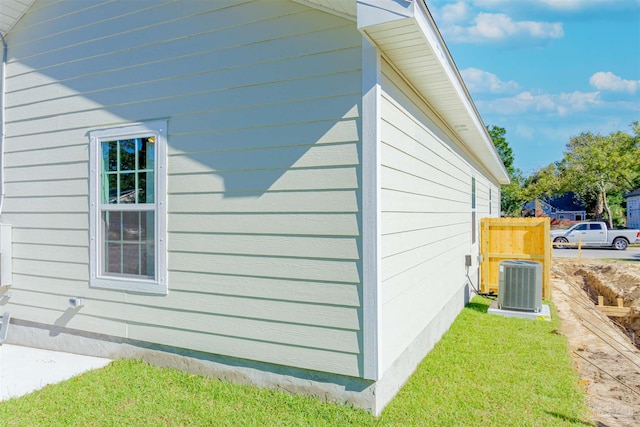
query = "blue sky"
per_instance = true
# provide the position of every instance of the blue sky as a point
(546, 70)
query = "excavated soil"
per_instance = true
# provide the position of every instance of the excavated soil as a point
(605, 349)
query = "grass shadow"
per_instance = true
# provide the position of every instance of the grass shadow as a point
(480, 307)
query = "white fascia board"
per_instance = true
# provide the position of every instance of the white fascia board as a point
(428, 28)
(371, 211)
(372, 13)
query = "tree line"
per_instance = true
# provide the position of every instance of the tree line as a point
(598, 169)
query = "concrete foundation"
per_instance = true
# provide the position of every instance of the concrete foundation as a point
(405, 365)
(544, 314)
(369, 395)
(327, 387)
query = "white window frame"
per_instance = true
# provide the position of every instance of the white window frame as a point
(158, 285)
(474, 202)
(490, 200)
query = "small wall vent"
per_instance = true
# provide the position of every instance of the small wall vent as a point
(520, 285)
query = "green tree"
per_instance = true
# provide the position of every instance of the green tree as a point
(512, 196)
(497, 135)
(599, 167)
(545, 182)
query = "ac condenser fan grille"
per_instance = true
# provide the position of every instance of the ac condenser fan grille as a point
(520, 285)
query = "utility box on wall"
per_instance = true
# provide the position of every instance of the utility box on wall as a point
(6, 257)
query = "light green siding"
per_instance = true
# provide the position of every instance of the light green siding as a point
(263, 105)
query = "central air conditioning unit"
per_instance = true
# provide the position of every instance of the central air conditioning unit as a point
(520, 285)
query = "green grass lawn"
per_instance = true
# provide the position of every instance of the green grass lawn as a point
(487, 370)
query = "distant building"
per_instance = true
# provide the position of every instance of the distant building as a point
(633, 209)
(566, 206)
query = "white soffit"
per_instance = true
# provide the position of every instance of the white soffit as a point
(11, 11)
(408, 37)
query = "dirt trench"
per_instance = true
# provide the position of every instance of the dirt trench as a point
(613, 281)
(604, 351)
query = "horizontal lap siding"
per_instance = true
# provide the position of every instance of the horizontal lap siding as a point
(264, 226)
(426, 213)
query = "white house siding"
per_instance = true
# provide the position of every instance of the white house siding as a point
(263, 102)
(426, 214)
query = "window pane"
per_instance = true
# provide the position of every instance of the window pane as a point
(145, 187)
(148, 251)
(127, 154)
(147, 261)
(110, 188)
(150, 153)
(131, 258)
(109, 156)
(145, 152)
(113, 225)
(142, 152)
(473, 193)
(127, 188)
(131, 226)
(149, 225)
(113, 261)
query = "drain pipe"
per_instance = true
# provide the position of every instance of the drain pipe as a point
(2, 108)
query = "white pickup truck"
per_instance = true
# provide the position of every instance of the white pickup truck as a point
(595, 234)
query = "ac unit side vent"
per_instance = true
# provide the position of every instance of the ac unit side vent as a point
(520, 285)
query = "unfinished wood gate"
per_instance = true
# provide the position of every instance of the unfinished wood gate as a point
(525, 239)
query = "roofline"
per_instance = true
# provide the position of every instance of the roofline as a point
(481, 125)
(405, 32)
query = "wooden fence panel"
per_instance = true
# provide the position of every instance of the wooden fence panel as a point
(525, 239)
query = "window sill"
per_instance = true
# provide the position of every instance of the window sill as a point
(131, 285)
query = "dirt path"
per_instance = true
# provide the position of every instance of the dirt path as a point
(608, 362)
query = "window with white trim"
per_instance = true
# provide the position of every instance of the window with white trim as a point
(473, 209)
(128, 244)
(490, 201)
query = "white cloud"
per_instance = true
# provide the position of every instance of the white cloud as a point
(498, 27)
(480, 81)
(611, 82)
(526, 102)
(453, 13)
(576, 101)
(567, 4)
(559, 5)
(498, 4)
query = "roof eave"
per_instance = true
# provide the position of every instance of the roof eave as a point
(406, 34)
(11, 12)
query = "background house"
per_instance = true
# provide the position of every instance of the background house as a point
(633, 209)
(564, 207)
(277, 192)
